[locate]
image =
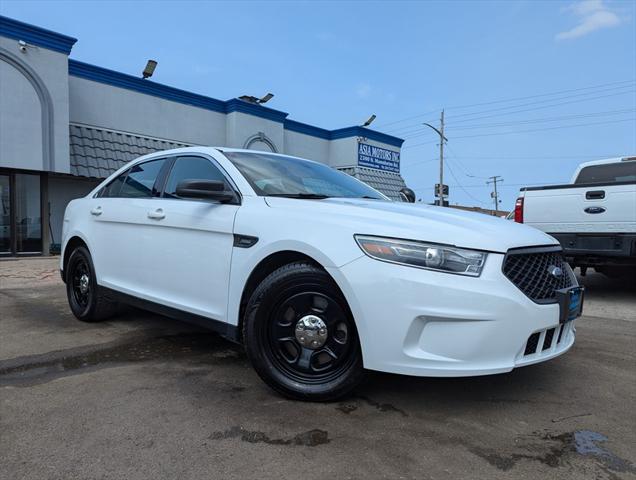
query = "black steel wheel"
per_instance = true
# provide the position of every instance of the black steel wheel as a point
(300, 335)
(80, 283)
(88, 303)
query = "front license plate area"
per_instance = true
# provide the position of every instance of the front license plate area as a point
(570, 303)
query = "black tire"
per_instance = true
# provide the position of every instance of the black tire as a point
(313, 372)
(88, 304)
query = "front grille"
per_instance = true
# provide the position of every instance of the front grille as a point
(531, 270)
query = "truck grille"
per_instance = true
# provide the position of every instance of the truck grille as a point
(531, 271)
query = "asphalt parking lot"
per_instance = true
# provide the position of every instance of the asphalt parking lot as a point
(142, 396)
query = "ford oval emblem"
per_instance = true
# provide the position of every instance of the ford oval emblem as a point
(555, 271)
(594, 210)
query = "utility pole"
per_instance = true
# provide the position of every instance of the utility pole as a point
(442, 139)
(494, 179)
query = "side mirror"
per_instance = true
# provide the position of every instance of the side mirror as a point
(407, 195)
(205, 189)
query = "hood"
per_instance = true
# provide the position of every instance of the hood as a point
(418, 222)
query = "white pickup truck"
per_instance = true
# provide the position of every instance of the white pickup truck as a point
(593, 217)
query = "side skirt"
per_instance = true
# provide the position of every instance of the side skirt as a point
(230, 332)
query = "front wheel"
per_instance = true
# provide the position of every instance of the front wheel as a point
(88, 303)
(300, 335)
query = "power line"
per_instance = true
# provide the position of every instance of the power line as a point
(547, 119)
(407, 164)
(593, 87)
(509, 185)
(529, 109)
(543, 94)
(528, 131)
(548, 100)
(460, 186)
(538, 157)
(467, 173)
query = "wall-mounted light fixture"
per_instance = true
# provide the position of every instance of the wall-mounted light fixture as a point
(150, 68)
(369, 121)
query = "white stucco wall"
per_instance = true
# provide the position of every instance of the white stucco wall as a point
(241, 127)
(20, 121)
(306, 146)
(61, 191)
(20, 105)
(101, 105)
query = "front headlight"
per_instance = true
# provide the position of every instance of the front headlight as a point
(431, 256)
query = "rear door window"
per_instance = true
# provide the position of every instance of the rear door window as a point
(141, 179)
(608, 173)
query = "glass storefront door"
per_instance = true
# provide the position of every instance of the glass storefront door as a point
(5, 214)
(20, 214)
(28, 214)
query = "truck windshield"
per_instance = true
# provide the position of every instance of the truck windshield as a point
(277, 175)
(608, 173)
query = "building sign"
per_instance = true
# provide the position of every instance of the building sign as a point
(378, 158)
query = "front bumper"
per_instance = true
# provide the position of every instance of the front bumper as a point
(419, 322)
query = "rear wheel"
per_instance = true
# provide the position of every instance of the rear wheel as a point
(300, 336)
(87, 302)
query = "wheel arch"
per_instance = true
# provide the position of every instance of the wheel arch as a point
(268, 265)
(72, 243)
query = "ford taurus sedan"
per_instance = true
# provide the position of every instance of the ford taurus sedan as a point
(318, 275)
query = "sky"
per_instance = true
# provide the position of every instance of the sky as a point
(530, 89)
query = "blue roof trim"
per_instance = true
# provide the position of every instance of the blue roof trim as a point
(368, 133)
(299, 127)
(236, 105)
(348, 132)
(35, 35)
(123, 80)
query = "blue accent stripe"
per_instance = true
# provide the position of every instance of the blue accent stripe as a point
(368, 133)
(61, 43)
(236, 105)
(294, 126)
(137, 84)
(35, 35)
(348, 132)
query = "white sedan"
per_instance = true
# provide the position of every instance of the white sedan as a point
(319, 275)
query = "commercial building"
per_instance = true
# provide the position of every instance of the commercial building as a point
(65, 125)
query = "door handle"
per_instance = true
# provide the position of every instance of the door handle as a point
(97, 211)
(157, 214)
(595, 195)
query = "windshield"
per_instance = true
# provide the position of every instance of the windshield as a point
(276, 175)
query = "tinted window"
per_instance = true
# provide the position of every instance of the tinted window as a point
(141, 179)
(113, 188)
(191, 168)
(608, 173)
(287, 176)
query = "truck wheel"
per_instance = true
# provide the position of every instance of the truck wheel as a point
(87, 302)
(300, 336)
